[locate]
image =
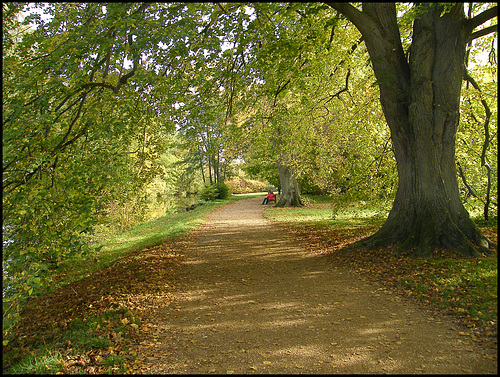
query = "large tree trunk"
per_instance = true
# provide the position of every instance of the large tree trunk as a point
(290, 191)
(420, 100)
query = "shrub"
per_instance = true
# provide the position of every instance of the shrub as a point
(224, 192)
(209, 192)
(245, 186)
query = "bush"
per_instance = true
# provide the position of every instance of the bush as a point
(224, 192)
(209, 192)
(245, 186)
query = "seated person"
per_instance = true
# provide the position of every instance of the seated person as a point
(270, 196)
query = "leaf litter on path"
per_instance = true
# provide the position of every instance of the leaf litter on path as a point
(290, 302)
(153, 287)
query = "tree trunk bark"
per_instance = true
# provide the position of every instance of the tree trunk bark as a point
(202, 169)
(210, 169)
(420, 100)
(290, 191)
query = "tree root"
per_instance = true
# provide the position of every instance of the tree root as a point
(423, 238)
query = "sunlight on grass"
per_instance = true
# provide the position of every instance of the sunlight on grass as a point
(463, 287)
(466, 287)
(322, 213)
(292, 215)
(70, 349)
(85, 335)
(48, 362)
(150, 234)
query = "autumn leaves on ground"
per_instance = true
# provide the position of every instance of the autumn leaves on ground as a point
(98, 324)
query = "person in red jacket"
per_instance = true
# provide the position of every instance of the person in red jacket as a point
(270, 196)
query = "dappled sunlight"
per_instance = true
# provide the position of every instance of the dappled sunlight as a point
(257, 302)
(300, 328)
(290, 330)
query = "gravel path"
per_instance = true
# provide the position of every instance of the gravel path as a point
(254, 301)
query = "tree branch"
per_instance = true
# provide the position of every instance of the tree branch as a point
(331, 37)
(358, 18)
(470, 189)
(486, 142)
(353, 48)
(77, 116)
(487, 110)
(481, 18)
(84, 86)
(344, 89)
(123, 80)
(483, 32)
(142, 8)
(220, 6)
(135, 63)
(279, 90)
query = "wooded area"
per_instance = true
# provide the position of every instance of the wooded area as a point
(115, 113)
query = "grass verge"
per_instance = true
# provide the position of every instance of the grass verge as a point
(152, 233)
(85, 346)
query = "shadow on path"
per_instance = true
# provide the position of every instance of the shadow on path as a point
(256, 302)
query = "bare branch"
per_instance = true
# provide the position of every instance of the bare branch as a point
(481, 18)
(344, 89)
(483, 32)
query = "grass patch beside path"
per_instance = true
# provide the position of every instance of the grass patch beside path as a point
(149, 234)
(86, 323)
(463, 288)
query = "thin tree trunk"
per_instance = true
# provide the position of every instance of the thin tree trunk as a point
(486, 142)
(202, 170)
(470, 190)
(210, 170)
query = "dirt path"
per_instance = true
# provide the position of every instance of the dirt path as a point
(253, 301)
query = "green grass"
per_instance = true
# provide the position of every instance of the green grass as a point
(150, 234)
(47, 362)
(320, 211)
(81, 337)
(464, 287)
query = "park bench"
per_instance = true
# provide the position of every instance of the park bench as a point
(272, 200)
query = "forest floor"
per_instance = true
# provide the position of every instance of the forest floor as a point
(243, 295)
